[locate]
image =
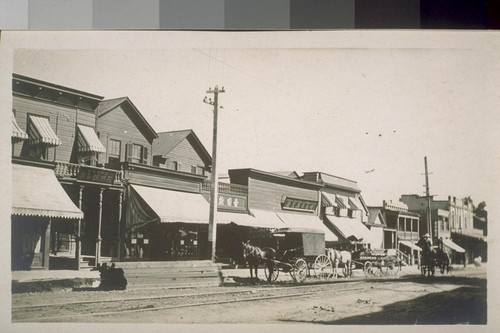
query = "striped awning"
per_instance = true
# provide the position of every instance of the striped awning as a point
(341, 201)
(40, 131)
(352, 205)
(18, 132)
(329, 199)
(37, 192)
(88, 140)
(349, 228)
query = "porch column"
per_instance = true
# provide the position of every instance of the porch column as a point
(119, 252)
(99, 239)
(79, 232)
(46, 245)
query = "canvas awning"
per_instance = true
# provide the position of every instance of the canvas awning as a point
(349, 228)
(173, 206)
(410, 245)
(18, 132)
(37, 192)
(242, 219)
(267, 219)
(455, 247)
(306, 223)
(88, 140)
(40, 131)
(329, 199)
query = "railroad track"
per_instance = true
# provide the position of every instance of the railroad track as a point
(83, 311)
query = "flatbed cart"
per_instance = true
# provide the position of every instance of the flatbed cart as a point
(379, 262)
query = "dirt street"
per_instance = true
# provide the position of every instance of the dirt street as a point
(409, 299)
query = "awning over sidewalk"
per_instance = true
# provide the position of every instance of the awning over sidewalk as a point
(267, 219)
(88, 140)
(455, 247)
(173, 206)
(242, 219)
(305, 223)
(40, 131)
(410, 245)
(37, 192)
(349, 228)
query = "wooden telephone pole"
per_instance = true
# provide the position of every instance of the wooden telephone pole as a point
(212, 221)
(427, 193)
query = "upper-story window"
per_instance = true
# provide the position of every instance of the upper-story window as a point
(197, 170)
(114, 153)
(41, 136)
(176, 165)
(137, 153)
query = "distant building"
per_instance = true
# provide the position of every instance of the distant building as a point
(343, 210)
(452, 221)
(401, 228)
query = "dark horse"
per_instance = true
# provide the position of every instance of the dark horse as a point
(254, 256)
(442, 259)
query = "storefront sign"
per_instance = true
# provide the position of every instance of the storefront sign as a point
(96, 175)
(232, 201)
(299, 204)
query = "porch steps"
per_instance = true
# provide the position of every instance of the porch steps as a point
(178, 274)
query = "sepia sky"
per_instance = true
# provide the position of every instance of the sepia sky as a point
(366, 106)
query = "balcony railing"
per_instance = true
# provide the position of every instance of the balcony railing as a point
(70, 170)
(227, 188)
(477, 233)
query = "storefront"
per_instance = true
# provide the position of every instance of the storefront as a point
(163, 224)
(38, 202)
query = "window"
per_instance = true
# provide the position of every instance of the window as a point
(114, 148)
(137, 153)
(197, 170)
(175, 165)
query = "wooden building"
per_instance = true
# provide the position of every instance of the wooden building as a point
(59, 123)
(342, 209)
(281, 200)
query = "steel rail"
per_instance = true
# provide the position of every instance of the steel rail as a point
(148, 308)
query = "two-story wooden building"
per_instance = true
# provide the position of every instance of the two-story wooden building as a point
(343, 210)
(59, 123)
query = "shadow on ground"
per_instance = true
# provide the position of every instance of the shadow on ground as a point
(464, 305)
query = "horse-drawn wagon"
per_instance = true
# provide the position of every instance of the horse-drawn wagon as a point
(300, 253)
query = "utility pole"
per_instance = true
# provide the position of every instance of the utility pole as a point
(212, 221)
(427, 193)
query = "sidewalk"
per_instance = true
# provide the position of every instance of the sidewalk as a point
(39, 281)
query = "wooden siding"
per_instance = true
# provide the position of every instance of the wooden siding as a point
(186, 155)
(116, 125)
(64, 127)
(269, 196)
(147, 179)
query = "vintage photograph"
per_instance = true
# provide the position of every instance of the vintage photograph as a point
(319, 178)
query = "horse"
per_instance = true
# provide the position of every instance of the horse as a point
(340, 259)
(442, 259)
(254, 256)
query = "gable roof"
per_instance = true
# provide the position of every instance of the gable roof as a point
(108, 105)
(375, 212)
(166, 141)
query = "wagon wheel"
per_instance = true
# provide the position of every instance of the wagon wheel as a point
(299, 271)
(323, 267)
(390, 266)
(275, 274)
(368, 269)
